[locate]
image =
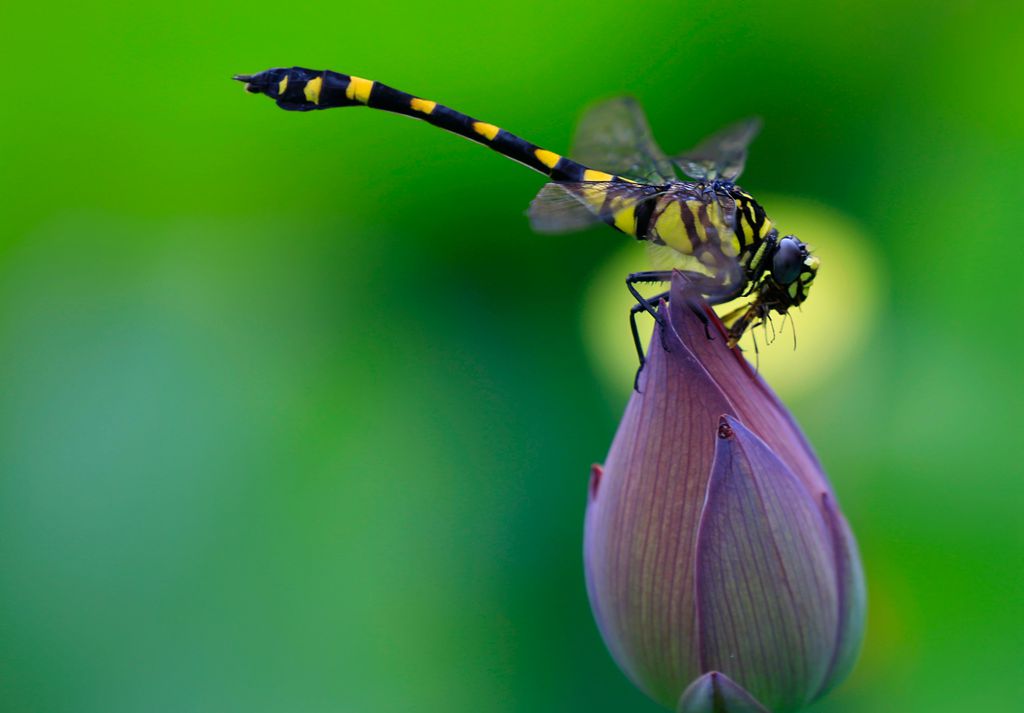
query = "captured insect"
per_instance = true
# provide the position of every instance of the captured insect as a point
(709, 228)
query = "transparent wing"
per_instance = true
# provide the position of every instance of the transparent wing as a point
(562, 207)
(722, 155)
(614, 136)
(556, 209)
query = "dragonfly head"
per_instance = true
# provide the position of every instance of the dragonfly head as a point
(793, 269)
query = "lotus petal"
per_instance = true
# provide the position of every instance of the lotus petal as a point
(641, 527)
(767, 600)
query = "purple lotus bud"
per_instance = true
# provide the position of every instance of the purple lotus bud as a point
(721, 573)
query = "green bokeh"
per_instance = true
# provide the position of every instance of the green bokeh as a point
(296, 413)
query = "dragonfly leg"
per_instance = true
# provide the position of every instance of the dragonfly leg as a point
(712, 291)
(633, 311)
(644, 304)
(638, 278)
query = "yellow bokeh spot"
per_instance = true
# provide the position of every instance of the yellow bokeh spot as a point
(831, 326)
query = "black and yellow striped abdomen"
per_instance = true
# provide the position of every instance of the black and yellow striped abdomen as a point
(299, 89)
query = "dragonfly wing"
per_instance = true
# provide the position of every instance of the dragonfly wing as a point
(721, 155)
(562, 207)
(556, 209)
(614, 136)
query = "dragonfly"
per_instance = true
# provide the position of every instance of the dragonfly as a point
(707, 227)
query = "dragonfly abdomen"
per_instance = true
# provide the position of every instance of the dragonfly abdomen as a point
(298, 89)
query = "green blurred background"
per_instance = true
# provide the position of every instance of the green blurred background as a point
(297, 413)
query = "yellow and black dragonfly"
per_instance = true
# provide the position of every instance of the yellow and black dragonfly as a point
(708, 228)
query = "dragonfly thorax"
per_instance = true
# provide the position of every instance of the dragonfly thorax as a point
(715, 228)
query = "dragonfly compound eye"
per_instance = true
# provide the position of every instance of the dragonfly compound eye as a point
(788, 260)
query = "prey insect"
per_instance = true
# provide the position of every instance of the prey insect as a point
(708, 227)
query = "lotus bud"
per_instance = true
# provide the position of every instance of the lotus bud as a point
(721, 573)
